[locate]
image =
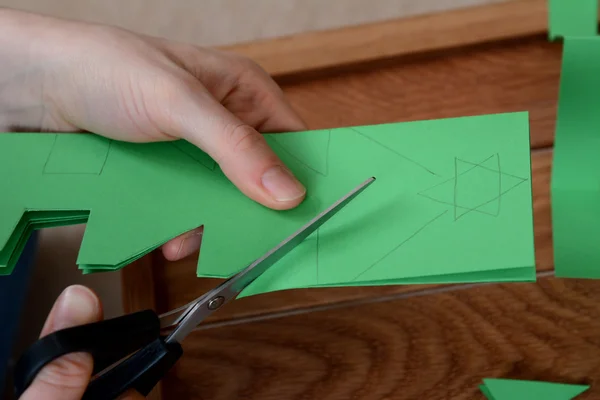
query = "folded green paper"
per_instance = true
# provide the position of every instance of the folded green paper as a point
(451, 197)
(452, 202)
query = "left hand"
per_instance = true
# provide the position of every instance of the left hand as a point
(69, 76)
(67, 377)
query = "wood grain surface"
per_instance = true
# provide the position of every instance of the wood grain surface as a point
(521, 75)
(438, 346)
(396, 37)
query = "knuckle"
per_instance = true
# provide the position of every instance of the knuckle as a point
(246, 66)
(67, 372)
(243, 138)
(252, 65)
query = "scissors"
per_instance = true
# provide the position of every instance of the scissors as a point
(133, 351)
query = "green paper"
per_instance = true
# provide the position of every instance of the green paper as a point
(405, 228)
(452, 202)
(575, 188)
(572, 18)
(509, 389)
(486, 392)
(34, 220)
(88, 160)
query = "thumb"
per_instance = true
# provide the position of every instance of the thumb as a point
(68, 376)
(242, 152)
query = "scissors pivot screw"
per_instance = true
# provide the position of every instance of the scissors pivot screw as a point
(216, 302)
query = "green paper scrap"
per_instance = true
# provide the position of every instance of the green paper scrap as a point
(509, 389)
(575, 189)
(452, 202)
(572, 18)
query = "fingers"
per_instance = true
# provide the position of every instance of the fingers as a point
(269, 110)
(232, 99)
(240, 84)
(67, 377)
(242, 152)
(248, 161)
(183, 245)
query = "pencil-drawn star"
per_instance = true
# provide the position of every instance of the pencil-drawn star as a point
(313, 154)
(475, 187)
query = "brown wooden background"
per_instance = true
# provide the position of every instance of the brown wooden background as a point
(403, 342)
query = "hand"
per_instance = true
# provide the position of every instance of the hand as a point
(58, 75)
(67, 377)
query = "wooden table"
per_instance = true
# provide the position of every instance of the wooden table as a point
(403, 342)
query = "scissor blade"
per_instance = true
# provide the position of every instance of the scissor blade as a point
(211, 301)
(260, 266)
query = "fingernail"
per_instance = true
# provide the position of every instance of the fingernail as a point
(77, 305)
(282, 184)
(190, 244)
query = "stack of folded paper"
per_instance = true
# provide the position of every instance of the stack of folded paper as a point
(31, 221)
(452, 203)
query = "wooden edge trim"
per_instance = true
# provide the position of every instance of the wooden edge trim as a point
(379, 40)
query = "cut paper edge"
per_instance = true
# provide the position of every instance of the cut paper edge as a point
(507, 389)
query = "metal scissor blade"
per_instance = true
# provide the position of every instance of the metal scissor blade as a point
(205, 305)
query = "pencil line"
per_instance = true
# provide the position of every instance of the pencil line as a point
(182, 151)
(499, 185)
(394, 151)
(456, 205)
(454, 177)
(497, 197)
(455, 185)
(400, 245)
(491, 169)
(110, 142)
(49, 154)
(327, 147)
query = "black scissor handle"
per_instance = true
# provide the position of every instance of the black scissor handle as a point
(107, 341)
(141, 372)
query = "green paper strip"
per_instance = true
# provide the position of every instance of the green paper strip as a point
(509, 389)
(572, 18)
(452, 202)
(575, 188)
